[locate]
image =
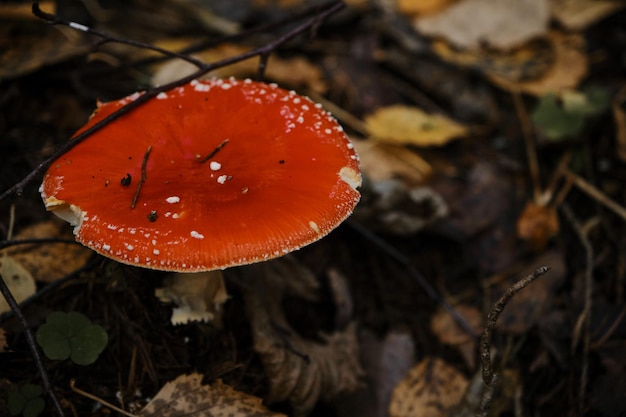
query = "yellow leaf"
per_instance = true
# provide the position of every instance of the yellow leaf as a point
(187, 396)
(410, 125)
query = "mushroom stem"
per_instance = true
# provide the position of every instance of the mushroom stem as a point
(214, 151)
(142, 179)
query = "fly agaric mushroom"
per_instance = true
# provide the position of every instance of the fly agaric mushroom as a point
(209, 175)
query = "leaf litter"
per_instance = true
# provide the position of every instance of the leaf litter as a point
(186, 395)
(299, 370)
(363, 62)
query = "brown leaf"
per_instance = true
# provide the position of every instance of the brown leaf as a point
(448, 331)
(300, 370)
(380, 161)
(50, 261)
(537, 225)
(526, 62)
(552, 64)
(186, 396)
(570, 65)
(431, 388)
(528, 308)
(580, 14)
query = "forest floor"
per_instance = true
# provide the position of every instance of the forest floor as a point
(492, 142)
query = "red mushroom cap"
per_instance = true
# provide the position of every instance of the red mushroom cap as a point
(282, 175)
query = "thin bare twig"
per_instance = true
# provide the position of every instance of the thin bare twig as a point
(489, 376)
(8, 243)
(214, 151)
(97, 399)
(108, 38)
(596, 194)
(142, 178)
(583, 325)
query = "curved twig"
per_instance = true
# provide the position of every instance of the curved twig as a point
(489, 377)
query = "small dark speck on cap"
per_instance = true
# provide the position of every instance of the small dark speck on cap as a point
(126, 180)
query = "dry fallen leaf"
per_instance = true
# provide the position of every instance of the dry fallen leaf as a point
(18, 279)
(299, 370)
(554, 64)
(529, 61)
(49, 262)
(186, 396)
(570, 65)
(431, 388)
(577, 15)
(448, 331)
(381, 161)
(537, 225)
(409, 125)
(200, 296)
(500, 24)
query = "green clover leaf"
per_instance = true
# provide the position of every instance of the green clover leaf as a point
(566, 116)
(27, 401)
(71, 335)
